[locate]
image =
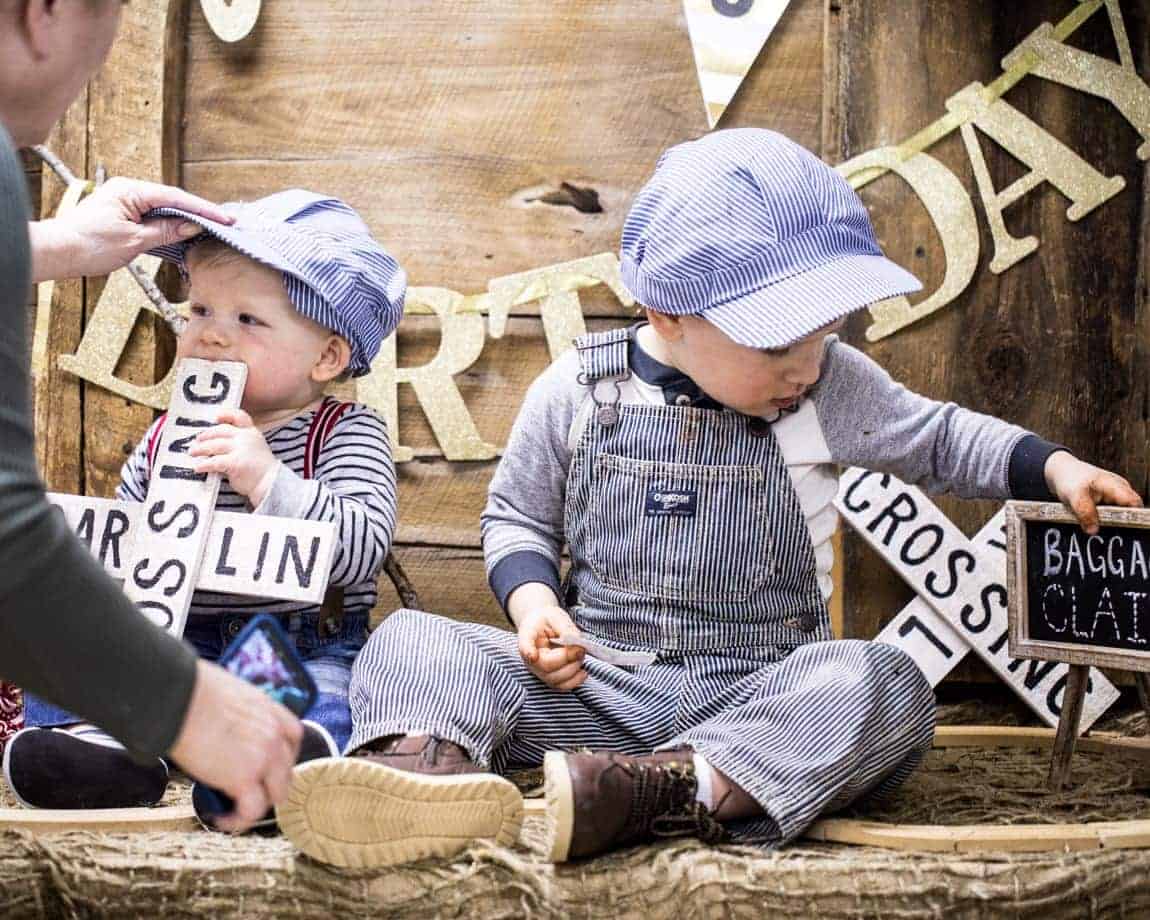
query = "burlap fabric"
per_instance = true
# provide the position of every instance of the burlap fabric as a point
(198, 874)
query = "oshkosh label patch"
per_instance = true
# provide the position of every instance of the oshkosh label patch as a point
(665, 502)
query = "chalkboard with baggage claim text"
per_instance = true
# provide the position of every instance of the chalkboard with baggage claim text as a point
(1077, 597)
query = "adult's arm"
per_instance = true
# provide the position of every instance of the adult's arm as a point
(106, 230)
(67, 631)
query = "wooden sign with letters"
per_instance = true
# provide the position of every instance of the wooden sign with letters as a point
(962, 593)
(174, 543)
(1079, 598)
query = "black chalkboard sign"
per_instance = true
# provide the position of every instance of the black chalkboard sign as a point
(1076, 597)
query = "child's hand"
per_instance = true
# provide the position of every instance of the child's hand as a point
(1081, 487)
(237, 449)
(560, 668)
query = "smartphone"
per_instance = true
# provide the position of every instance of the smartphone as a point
(263, 655)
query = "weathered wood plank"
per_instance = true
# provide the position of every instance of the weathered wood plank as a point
(448, 131)
(450, 581)
(1058, 342)
(133, 124)
(58, 419)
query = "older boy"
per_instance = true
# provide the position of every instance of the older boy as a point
(689, 465)
(299, 291)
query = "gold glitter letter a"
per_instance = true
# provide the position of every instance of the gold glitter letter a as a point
(1118, 83)
(1048, 158)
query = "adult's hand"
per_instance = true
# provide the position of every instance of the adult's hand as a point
(104, 231)
(239, 741)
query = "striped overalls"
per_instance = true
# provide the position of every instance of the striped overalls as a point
(686, 539)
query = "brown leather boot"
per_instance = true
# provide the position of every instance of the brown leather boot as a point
(602, 801)
(418, 754)
(399, 799)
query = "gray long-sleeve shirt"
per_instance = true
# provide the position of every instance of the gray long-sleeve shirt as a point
(855, 416)
(67, 631)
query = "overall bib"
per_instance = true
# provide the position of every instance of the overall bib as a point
(687, 540)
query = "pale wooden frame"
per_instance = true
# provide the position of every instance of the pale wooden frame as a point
(920, 837)
(1020, 643)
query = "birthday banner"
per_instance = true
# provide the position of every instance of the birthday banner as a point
(467, 321)
(726, 37)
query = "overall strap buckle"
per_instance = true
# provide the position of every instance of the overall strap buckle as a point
(603, 356)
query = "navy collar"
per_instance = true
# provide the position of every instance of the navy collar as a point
(678, 389)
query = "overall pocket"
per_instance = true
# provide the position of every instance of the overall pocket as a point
(678, 531)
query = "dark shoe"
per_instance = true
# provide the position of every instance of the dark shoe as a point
(210, 803)
(418, 754)
(410, 798)
(602, 801)
(53, 768)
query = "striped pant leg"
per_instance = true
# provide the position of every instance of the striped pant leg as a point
(466, 683)
(829, 724)
(614, 709)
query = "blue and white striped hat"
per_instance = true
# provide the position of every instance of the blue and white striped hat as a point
(758, 236)
(334, 271)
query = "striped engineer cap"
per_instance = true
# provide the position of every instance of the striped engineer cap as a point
(334, 271)
(758, 236)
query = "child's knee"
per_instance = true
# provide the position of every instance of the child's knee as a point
(408, 636)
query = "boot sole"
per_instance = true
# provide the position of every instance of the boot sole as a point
(353, 813)
(52, 769)
(560, 798)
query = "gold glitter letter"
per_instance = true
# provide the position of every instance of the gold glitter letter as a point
(1117, 83)
(108, 331)
(1048, 158)
(558, 287)
(460, 345)
(950, 207)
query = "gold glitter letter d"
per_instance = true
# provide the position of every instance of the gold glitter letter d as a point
(107, 332)
(950, 207)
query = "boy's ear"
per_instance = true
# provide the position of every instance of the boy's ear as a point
(667, 325)
(38, 20)
(333, 359)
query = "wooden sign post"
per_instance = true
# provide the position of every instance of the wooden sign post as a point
(1081, 599)
(174, 542)
(962, 593)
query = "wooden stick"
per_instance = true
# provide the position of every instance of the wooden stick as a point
(58, 166)
(1068, 726)
(103, 820)
(1142, 681)
(403, 586)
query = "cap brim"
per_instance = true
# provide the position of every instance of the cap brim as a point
(242, 239)
(789, 310)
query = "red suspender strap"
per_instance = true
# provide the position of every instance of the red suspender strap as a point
(154, 442)
(331, 610)
(321, 425)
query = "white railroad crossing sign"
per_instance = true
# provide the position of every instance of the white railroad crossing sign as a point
(175, 542)
(961, 587)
